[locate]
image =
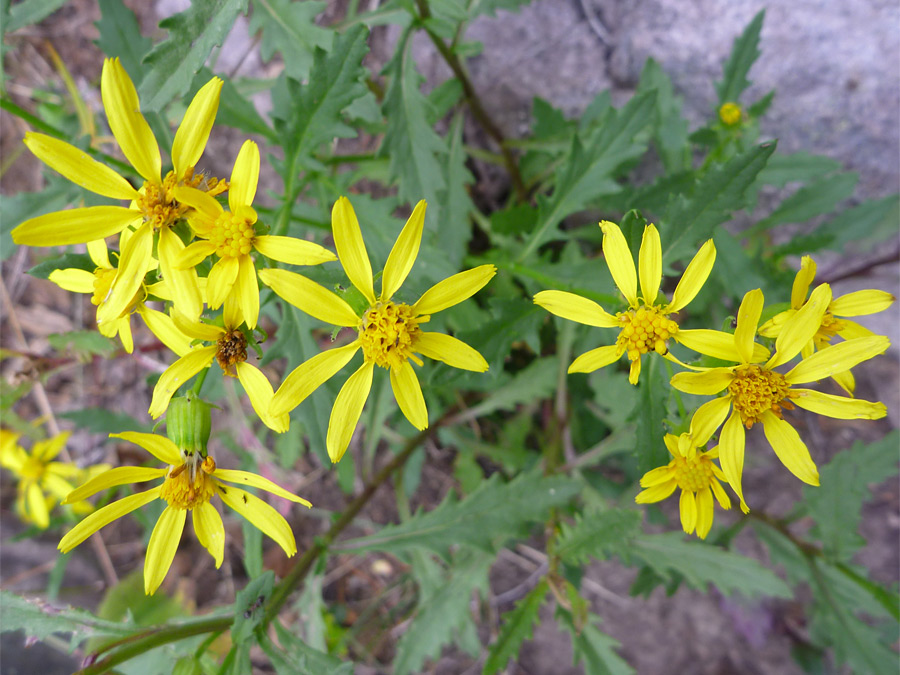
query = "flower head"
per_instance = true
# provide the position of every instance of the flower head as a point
(190, 481)
(757, 393)
(230, 235)
(153, 209)
(835, 321)
(389, 332)
(696, 475)
(645, 326)
(730, 114)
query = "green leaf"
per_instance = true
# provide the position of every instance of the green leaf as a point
(743, 54)
(800, 166)
(716, 195)
(535, 382)
(589, 171)
(249, 606)
(516, 320)
(83, 343)
(298, 657)
(120, 35)
(490, 7)
(517, 627)
(103, 421)
(856, 644)
(670, 132)
(31, 11)
(24, 205)
(594, 647)
(172, 64)
(836, 506)
(485, 519)
(451, 225)
(127, 599)
(290, 28)
(811, 200)
(649, 415)
(875, 220)
(700, 565)
(417, 154)
(39, 619)
(81, 261)
(597, 535)
(235, 109)
(444, 613)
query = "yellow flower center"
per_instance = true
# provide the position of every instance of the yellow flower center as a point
(755, 390)
(830, 327)
(188, 485)
(730, 114)
(644, 330)
(231, 349)
(157, 203)
(388, 333)
(233, 234)
(693, 473)
(32, 469)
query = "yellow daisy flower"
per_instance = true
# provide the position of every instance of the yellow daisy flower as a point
(190, 482)
(153, 208)
(231, 236)
(42, 482)
(696, 475)
(229, 349)
(645, 326)
(834, 321)
(758, 393)
(389, 333)
(98, 283)
(730, 114)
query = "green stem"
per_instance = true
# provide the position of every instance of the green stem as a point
(198, 383)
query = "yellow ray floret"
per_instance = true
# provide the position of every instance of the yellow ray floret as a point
(190, 482)
(389, 333)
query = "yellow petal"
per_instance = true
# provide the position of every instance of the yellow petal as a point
(451, 351)
(198, 330)
(351, 250)
(704, 383)
(79, 167)
(575, 308)
(595, 359)
(292, 250)
(792, 451)
(199, 200)
(656, 493)
(103, 517)
(773, 326)
(74, 226)
(657, 476)
(210, 530)
(853, 330)
(839, 407)
(123, 110)
(720, 494)
(732, 441)
(73, 280)
(36, 506)
(800, 328)
(133, 266)
(193, 255)
(244, 177)
(254, 480)
(619, 260)
(99, 253)
(747, 323)
(805, 276)
(193, 132)
(708, 419)
(634, 371)
(687, 506)
(159, 446)
(845, 381)
(404, 253)
(221, 281)
(346, 411)
(182, 283)
(310, 297)
(232, 315)
(717, 344)
(704, 512)
(453, 290)
(121, 475)
(162, 547)
(695, 275)
(261, 515)
(408, 393)
(259, 391)
(837, 358)
(176, 375)
(860, 303)
(247, 290)
(308, 376)
(650, 264)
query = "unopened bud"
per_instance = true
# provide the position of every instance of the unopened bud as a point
(188, 424)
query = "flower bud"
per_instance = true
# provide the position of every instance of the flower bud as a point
(188, 424)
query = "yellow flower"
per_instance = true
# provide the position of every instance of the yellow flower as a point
(695, 474)
(834, 321)
(153, 207)
(758, 393)
(730, 114)
(42, 482)
(231, 236)
(98, 283)
(190, 482)
(229, 349)
(645, 326)
(389, 333)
